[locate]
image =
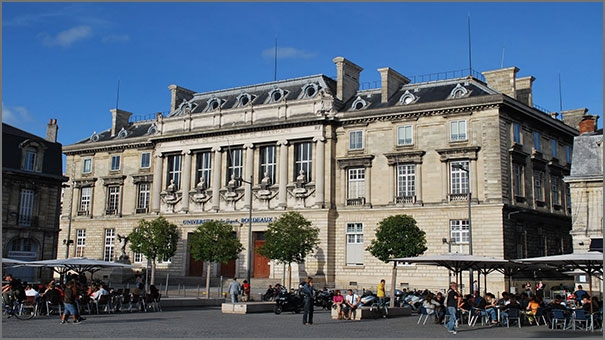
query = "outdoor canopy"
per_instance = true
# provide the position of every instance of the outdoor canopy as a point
(77, 264)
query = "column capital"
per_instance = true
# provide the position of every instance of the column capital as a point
(249, 146)
(186, 152)
(319, 139)
(282, 142)
(158, 155)
(216, 149)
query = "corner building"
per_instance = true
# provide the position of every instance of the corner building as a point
(345, 158)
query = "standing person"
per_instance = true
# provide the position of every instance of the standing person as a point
(380, 292)
(69, 302)
(234, 289)
(307, 291)
(452, 301)
(246, 291)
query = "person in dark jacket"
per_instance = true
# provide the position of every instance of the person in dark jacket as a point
(307, 292)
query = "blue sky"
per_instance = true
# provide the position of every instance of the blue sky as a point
(64, 60)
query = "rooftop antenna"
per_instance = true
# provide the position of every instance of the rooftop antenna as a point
(560, 98)
(470, 65)
(502, 62)
(275, 63)
(118, 95)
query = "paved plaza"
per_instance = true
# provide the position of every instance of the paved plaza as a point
(210, 322)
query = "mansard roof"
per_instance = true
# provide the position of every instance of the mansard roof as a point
(587, 156)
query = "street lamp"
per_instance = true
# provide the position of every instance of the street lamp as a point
(249, 251)
(470, 230)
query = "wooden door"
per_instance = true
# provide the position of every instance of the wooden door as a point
(196, 268)
(261, 263)
(228, 269)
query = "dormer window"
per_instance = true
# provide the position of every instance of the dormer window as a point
(94, 137)
(276, 95)
(214, 103)
(186, 107)
(310, 90)
(407, 98)
(152, 129)
(359, 104)
(244, 99)
(123, 133)
(459, 92)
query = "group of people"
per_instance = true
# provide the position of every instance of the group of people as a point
(236, 289)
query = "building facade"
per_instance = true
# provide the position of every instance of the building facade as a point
(31, 196)
(345, 158)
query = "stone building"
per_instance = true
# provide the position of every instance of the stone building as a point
(31, 192)
(346, 158)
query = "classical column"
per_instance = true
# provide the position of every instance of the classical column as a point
(248, 173)
(283, 173)
(320, 171)
(419, 183)
(157, 182)
(445, 184)
(473, 178)
(216, 177)
(186, 185)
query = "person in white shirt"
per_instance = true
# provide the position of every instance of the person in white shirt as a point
(350, 304)
(99, 292)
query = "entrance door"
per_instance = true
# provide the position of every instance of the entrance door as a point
(196, 268)
(261, 263)
(228, 269)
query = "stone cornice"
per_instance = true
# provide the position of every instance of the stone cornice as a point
(363, 161)
(469, 152)
(398, 157)
(110, 146)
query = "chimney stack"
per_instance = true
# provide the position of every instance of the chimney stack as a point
(503, 80)
(347, 78)
(523, 91)
(573, 117)
(588, 124)
(178, 94)
(119, 120)
(391, 82)
(51, 131)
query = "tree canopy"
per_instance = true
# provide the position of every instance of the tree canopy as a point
(214, 241)
(397, 236)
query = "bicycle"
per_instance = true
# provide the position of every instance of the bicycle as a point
(20, 309)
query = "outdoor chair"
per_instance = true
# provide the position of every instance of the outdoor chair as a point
(513, 314)
(580, 319)
(558, 317)
(425, 313)
(54, 303)
(136, 301)
(477, 313)
(126, 300)
(103, 301)
(541, 315)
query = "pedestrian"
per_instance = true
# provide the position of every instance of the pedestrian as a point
(234, 289)
(245, 291)
(307, 291)
(69, 302)
(452, 301)
(380, 292)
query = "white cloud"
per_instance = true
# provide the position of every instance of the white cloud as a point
(287, 53)
(116, 38)
(67, 37)
(15, 115)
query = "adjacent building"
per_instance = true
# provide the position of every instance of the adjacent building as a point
(31, 196)
(345, 157)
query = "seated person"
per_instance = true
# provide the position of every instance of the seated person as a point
(30, 291)
(268, 296)
(441, 308)
(557, 303)
(100, 291)
(586, 304)
(351, 303)
(430, 304)
(490, 307)
(12, 289)
(532, 309)
(512, 303)
(338, 301)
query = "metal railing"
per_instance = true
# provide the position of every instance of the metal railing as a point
(425, 78)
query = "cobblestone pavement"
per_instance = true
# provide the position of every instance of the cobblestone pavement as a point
(210, 322)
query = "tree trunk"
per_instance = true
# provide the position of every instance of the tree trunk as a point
(289, 286)
(207, 280)
(152, 279)
(393, 282)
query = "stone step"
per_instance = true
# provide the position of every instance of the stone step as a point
(247, 307)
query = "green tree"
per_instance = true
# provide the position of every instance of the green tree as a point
(156, 239)
(397, 236)
(214, 241)
(289, 239)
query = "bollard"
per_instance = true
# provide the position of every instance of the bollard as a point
(220, 287)
(166, 292)
(198, 290)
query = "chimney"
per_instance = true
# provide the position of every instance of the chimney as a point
(178, 94)
(588, 124)
(119, 120)
(391, 82)
(51, 131)
(347, 78)
(524, 94)
(503, 80)
(573, 117)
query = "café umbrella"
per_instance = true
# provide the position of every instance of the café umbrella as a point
(77, 264)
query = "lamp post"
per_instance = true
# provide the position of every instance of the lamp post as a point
(249, 250)
(470, 230)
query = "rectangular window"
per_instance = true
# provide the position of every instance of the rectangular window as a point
(355, 244)
(406, 183)
(26, 207)
(113, 199)
(87, 165)
(80, 242)
(146, 160)
(267, 162)
(537, 142)
(458, 130)
(459, 231)
(355, 140)
(115, 163)
(518, 179)
(144, 192)
(538, 185)
(459, 178)
(554, 189)
(174, 171)
(303, 160)
(517, 133)
(356, 185)
(137, 257)
(567, 197)
(29, 163)
(110, 235)
(235, 165)
(85, 198)
(404, 135)
(567, 154)
(553, 148)
(204, 167)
